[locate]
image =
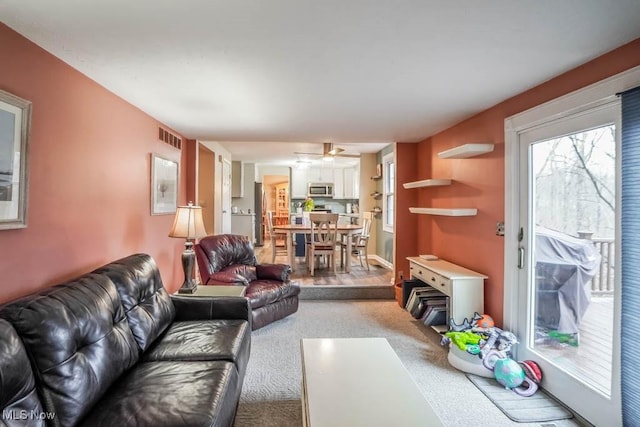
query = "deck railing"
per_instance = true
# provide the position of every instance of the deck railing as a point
(602, 282)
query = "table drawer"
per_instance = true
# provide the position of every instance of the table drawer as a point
(441, 283)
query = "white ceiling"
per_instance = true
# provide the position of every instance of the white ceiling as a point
(342, 71)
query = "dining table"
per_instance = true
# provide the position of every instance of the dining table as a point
(291, 229)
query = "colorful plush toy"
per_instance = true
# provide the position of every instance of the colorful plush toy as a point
(485, 322)
(465, 325)
(461, 339)
(520, 377)
(505, 341)
(533, 376)
(508, 373)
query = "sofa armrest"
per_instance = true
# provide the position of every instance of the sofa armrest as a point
(227, 278)
(279, 272)
(207, 308)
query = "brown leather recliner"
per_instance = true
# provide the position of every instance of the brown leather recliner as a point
(229, 259)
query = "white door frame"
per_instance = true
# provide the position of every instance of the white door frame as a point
(584, 99)
(225, 226)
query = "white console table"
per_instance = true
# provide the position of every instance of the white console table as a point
(464, 287)
(359, 382)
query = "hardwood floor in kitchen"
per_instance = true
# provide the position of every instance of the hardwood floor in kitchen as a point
(324, 276)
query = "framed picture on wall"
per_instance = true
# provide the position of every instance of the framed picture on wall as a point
(164, 185)
(15, 122)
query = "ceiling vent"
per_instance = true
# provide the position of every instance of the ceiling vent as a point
(170, 138)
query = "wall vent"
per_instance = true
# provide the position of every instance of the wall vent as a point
(170, 138)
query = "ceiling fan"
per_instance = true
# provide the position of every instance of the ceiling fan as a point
(328, 151)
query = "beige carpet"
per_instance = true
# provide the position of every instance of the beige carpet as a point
(271, 392)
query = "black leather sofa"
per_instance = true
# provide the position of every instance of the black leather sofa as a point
(113, 348)
(229, 259)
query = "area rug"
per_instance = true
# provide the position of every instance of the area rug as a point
(537, 408)
(272, 385)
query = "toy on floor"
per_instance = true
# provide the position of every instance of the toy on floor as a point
(466, 323)
(508, 373)
(500, 340)
(532, 371)
(485, 322)
(520, 377)
(461, 339)
(478, 345)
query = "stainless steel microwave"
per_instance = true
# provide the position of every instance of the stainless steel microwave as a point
(320, 190)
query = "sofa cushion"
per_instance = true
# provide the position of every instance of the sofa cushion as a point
(17, 385)
(271, 312)
(281, 272)
(171, 394)
(263, 292)
(78, 340)
(204, 340)
(226, 249)
(146, 303)
(234, 274)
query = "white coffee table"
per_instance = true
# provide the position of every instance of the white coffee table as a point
(354, 382)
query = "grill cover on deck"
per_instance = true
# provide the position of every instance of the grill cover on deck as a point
(564, 267)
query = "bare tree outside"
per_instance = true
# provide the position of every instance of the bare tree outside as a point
(575, 182)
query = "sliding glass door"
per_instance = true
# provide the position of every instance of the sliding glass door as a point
(569, 265)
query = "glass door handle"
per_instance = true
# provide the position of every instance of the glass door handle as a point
(520, 257)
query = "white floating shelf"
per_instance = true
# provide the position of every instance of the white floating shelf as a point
(444, 212)
(427, 183)
(465, 151)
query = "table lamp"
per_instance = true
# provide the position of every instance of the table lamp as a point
(188, 225)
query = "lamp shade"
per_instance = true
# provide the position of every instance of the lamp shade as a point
(188, 223)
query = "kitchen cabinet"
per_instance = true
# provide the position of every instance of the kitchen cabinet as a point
(298, 183)
(237, 179)
(320, 174)
(346, 181)
(338, 183)
(351, 183)
(300, 178)
(282, 199)
(244, 225)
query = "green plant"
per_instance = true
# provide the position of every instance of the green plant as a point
(308, 204)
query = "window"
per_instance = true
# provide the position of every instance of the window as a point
(389, 175)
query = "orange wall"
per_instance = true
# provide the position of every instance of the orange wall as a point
(89, 173)
(407, 235)
(479, 181)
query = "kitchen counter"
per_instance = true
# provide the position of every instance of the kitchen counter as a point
(352, 217)
(244, 225)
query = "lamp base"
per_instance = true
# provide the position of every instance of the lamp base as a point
(188, 288)
(188, 260)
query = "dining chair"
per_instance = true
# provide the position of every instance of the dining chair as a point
(359, 242)
(322, 239)
(278, 240)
